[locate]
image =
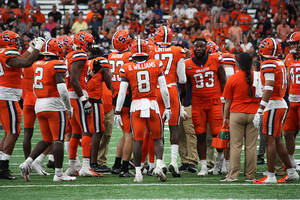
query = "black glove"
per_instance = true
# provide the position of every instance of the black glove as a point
(97, 65)
(87, 107)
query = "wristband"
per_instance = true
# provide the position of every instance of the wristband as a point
(30, 49)
(267, 87)
(263, 103)
(82, 98)
(92, 73)
(260, 110)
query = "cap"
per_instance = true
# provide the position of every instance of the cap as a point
(104, 32)
(106, 52)
(183, 43)
(223, 9)
(245, 8)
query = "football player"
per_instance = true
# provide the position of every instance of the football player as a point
(273, 108)
(143, 75)
(11, 64)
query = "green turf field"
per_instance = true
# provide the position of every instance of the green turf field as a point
(189, 186)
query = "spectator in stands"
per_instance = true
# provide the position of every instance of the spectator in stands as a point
(43, 32)
(134, 26)
(190, 11)
(236, 30)
(31, 15)
(81, 2)
(105, 42)
(79, 25)
(150, 30)
(40, 16)
(144, 13)
(252, 38)
(29, 4)
(259, 10)
(100, 10)
(51, 24)
(176, 37)
(10, 20)
(122, 25)
(90, 14)
(150, 4)
(75, 14)
(96, 24)
(14, 27)
(36, 24)
(216, 9)
(138, 8)
(6, 15)
(252, 52)
(222, 46)
(156, 10)
(66, 22)
(283, 30)
(113, 5)
(13, 3)
(278, 21)
(112, 31)
(55, 14)
(224, 17)
(91, 2)
(237, 50)
(109, 20)
(28, 33)
(94, 34)
(193, 24)
(231, 43)
(62, 32)
(54, 32)
(245, 21)
(128, 11)
(278, 14)
(31, 28)
(158, 21)
(180, 11)
(267, 33)
(297, 27)
(246, 45)
(229, 5)
(21, 25)
(23, 14)
(236, 12)
(166, 7)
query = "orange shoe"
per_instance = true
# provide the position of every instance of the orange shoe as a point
(265, 180)
(288, 178)
(89, 173)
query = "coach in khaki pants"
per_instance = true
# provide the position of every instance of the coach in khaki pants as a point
(243, 104)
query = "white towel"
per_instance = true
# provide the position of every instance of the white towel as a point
(257, 84)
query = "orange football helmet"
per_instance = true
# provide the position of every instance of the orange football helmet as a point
(54, 47)
(68, 43)
(163, 35)
(84, 40)
(211, 47)
(140, 48)
(295, 39)
(150, 42)
(9, 39)
(268, 48)
(122, 40)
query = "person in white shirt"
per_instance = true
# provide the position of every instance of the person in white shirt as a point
(180, 11)
(43, 32)
(190, 11)
(138, 7)
(246, 45)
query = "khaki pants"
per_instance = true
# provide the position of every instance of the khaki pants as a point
(104, 142)
(187, 140)
(241, 126)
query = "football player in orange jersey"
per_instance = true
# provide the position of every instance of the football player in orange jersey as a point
(174, 70)
(77, 77)
(11, 64)
(292, 62)
(143, 75)
(52, 100)
(95, 98)
(207, 75)
(121, 41)
(273, 108)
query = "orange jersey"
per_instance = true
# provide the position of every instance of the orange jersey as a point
(207, 35)
(114, 7)
(28, 79)
(44, 80)
(244, 18)
(278, 68)
(95, 83)
(229, 59)
(293, 66)
(10, 77)
(169, 57)
(76, 56)
(116, 61)
(204, 77)
(142, 78)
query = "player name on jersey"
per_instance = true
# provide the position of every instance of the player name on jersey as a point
(141, 66)
(117, 55)
(157, 49)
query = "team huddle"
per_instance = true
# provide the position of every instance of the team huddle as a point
(148, 81)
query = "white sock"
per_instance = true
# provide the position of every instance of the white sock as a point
(59, 171)
(77, 161)
(159, 163)
(67, 147)
(51, 157)
(1, 153)
(40, 158)
(292, 159)
(142, 165)
(5, 156)
(138, 171)
(174, 152)
(86, 163)
(29, 161)
(152, 165)
(71, 163)
(226, 161)
(220, 156)
(203, 164)
(290, 171)
(271, 175)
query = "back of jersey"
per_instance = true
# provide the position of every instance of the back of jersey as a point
(143, 78)
(116, 60)
(294, 69)
(169, 57)
(44, 77)
(276, 67)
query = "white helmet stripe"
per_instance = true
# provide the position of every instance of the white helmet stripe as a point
(165, 34)
(139, 45)
(275, 47)
(46, 45)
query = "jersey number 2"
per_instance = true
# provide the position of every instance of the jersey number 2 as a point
(39, 71)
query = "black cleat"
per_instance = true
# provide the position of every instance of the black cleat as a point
(125, 174)
(131, 164)
(164, 169)
(116, 170)
(173, 171)
(151, 172)
(96, 168)
(192, 168)
(5, 173)
(51, 164)
(260, 160)
(183, 167)
(104, 169)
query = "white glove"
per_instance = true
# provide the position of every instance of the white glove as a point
(257, 119)
(31, 46)
(86, 105)
(118, 120)
(167, 115)
(39, 42)
(183, 114)
(70, 113)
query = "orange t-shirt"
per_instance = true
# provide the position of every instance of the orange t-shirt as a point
(40, 17)
(134, 28)
(114, 7)
(236, 89)
(234, 14)
(89, 16)
(244, 18)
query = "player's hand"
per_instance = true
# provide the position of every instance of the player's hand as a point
(118, 120)
(97, 65)
(39, 42)
(167, 114)
(87, 107)
(257, 120)
(183, 114)
(70, 113)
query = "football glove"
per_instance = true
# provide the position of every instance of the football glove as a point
(183, 114)
(167, 114)
(97, 65)
(70, 113)
(118, 121)
(257, 120)
(39, 42)
(87, 107)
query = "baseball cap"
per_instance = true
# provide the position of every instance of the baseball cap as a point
(245, 8)
(106, 52)
(223, 9)
(104, 32)
(183, 43)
